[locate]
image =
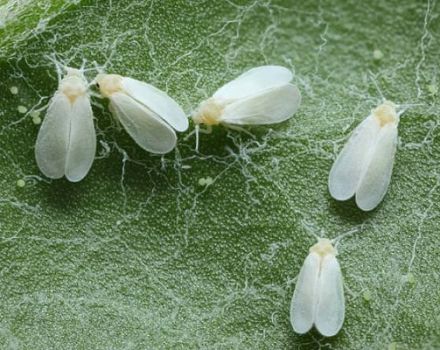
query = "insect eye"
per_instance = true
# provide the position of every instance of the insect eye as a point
(97, 85)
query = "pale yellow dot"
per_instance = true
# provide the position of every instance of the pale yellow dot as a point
(22, 109)
(392, 346)
(36, 120)
(34, 114)
(209, 181)
(13, 90)
(410, 278)
(366, 295)
(377, 55)
(206, 181)
(21, 183)
(432, 89)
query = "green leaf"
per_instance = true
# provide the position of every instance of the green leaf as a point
(22, 19)
(145, 253)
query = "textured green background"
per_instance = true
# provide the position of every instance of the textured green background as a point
(140, 256)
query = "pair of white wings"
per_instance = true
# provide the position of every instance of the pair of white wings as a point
(319, 296)
(149, 115)
(262, 95)
(66, 142)
(365, 164)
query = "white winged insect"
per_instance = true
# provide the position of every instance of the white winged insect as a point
(319, 293)
(262, 95)
(364, 166)
(148, 114)
(66, 141)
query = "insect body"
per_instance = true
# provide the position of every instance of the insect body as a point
(319, 294)
(364, 166)
(148, 114)
(262, 95)
(66, 141)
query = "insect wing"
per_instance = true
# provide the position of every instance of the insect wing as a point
(82, 141)
(376, 179)
(349, 166)
(330, 311)
(148, 130)
(53, 137)
(157, 101)
(253, 82)
(268, 107)
(303, 306)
